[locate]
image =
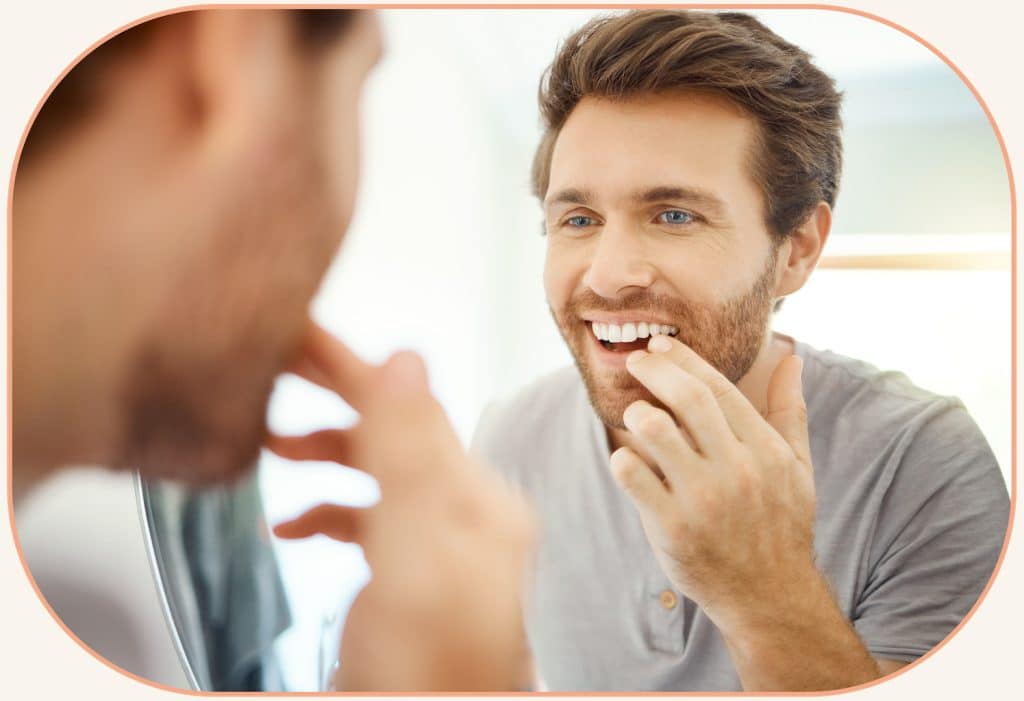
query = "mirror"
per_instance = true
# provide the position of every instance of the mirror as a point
(223, 593)
(222, 590)
(458, 279)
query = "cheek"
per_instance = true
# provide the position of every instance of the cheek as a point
(560, 275)
(344, 171)
(342, 152)
(696, 272)
(698, 285)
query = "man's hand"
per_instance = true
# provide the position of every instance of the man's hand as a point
(447, 544)
(726, 498)
(731, 520)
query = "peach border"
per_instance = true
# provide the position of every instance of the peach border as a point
(520, 6)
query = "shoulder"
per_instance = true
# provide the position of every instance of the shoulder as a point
(914, 437)
(526, 422)
(838, 387)
(530, 410)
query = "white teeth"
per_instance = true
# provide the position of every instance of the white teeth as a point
(629, 332)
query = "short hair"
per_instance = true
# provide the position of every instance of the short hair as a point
(78, 91)
(797, 154)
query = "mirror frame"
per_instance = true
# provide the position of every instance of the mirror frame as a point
(158, 557)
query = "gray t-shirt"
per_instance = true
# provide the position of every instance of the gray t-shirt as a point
(911, 514)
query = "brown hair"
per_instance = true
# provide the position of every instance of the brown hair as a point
(797, 156)
(83, 85)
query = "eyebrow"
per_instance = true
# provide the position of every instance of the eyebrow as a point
(569, 196)
(712, 204)
(691, 194)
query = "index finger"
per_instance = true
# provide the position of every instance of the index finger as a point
(744, 420)
(328, 362)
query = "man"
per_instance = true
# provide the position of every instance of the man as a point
(177, 202)
(724, 507)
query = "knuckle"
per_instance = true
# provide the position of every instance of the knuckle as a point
(706, 502)
(655, 425)
(778, 454)
(749, 486)
(722, 389)
(690, 391)
(739, 456)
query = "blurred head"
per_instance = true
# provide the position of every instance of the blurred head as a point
(178, 200)
(687, 171)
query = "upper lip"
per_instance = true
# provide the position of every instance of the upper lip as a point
(620, 318)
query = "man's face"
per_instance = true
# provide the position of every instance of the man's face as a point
(269, 219)
(653, 218)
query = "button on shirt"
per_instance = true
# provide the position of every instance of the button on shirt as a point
(911, 514)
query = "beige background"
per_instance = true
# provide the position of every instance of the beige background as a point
(38, 660)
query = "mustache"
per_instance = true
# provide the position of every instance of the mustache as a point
(638, 301)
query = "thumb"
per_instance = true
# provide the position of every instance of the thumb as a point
(787, 410)
(342, 523)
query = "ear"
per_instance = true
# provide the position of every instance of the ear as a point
(799, 253)
(241, 71)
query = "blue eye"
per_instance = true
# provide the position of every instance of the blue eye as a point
(579, 221)
(675, 216)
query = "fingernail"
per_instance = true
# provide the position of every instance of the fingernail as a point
(660, 344)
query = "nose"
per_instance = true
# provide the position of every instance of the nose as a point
(619, 264)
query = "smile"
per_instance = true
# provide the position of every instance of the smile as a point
(628, 336)
(630, 331)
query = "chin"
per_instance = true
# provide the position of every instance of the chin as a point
(182, 452)
(198, 429)
(610, 396)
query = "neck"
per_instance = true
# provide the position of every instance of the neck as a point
(753, 385)
(63, 388)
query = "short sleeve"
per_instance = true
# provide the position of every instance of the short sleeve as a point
(483, 434)
(939, 533)
(494, 441)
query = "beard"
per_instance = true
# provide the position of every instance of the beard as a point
(195, 395)
(728, 336)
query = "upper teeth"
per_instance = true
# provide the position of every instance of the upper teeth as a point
(626, 333)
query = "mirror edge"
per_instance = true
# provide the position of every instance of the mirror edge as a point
(171, 617)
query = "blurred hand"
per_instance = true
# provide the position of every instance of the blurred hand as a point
(447, 543)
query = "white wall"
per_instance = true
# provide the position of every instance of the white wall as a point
(81, 538)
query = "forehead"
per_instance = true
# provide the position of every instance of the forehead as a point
(687, 139)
